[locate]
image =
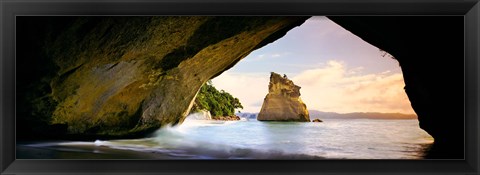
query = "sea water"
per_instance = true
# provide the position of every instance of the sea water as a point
(252, 139)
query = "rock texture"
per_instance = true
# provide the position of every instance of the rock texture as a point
(283, 102)
(126, 76)
(430, 51)
(200, 115)
(226, 118)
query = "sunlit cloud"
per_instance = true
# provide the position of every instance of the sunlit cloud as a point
(363, 81)
(338, 89)
(332, 87)
(250, 89)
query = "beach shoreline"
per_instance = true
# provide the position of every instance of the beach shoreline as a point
(55, 150)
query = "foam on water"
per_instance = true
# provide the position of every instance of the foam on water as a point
(251, 139)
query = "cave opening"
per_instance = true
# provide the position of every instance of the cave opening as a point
(341, 77)
(320, 54)
(130, 88)
(431, 57)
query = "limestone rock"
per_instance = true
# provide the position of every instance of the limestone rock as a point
(127, 76)
(424, 78)
(200, 115)
(226, 118)
(283, 102)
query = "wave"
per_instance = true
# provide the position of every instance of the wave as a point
(211, 139)
(199, 119)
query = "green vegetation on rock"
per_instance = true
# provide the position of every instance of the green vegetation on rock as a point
(219, 103)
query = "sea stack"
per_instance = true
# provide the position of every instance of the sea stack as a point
(283, 102)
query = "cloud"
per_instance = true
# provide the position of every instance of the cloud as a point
(249, 88)
(264, 56)
(371, 84)
(332, 87)
(338, 89)
(276, 55)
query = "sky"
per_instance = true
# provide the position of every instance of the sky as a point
(336, 70)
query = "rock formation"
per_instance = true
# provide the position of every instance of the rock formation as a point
(129, 75)
(226, 118)
(205, 115)
(126, 76)
(200, 115)
(432, 63)
(283, 102)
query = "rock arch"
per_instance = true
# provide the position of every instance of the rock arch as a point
(432, 61)
(127, 76)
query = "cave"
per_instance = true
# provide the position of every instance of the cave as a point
(432, 67)
(73, 98)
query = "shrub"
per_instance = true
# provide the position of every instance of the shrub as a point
(219, 103)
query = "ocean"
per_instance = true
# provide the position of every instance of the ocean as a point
(252, 139)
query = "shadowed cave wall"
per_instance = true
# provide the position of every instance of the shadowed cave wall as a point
(124, 77)
(430, 51)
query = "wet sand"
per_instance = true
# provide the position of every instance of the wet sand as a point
(82, 152)
(48, 150)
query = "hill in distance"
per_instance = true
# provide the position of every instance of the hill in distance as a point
(315, 114)
(360, 115)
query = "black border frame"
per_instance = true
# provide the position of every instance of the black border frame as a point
(10, 8)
